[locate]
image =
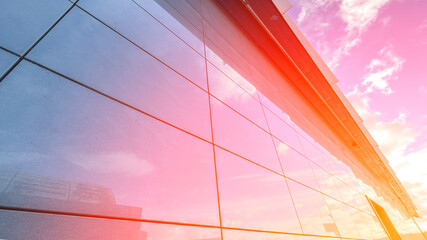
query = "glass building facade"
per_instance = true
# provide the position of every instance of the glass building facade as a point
(155, 120)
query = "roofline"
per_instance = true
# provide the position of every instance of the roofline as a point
(277, 36)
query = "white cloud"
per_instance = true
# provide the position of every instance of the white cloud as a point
(357, 16)
(381, 70)
(115, 162)
(394, 138)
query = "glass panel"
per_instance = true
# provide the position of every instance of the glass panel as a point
(237, 134)
(144, 30)
(283, 131)
(253, 197)
(176, 20)
(6, 61)
(275, 109)
(69, 149)
(345, 218)
(22, 22)
(36, 226)
(190, 9)
(312, 211)
(246, 235)
(84, 49)
(231, 94)
(295, 165)
(326, 181)
(229, 50)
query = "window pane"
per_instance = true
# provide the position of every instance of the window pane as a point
(178, 20)
(26, 225)
(345, 217)
(229, 92)
(6, 61)
(312, 211)
(326, 181)
(253, 197)
(84, 49)
(246, 235)
(69, 149)
(137, 25)
(22, 22)
(295, 165)
(237, 134)
(283, 131)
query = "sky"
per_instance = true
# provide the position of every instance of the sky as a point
(378, 51)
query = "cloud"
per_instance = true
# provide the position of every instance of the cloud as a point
(393, 137)
(358, 14)
(115, 162)
(355, 15)
(381, 70)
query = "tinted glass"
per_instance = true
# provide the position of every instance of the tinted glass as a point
(283, 131)
(234, 96)
(6, 61)
(237, 134)
(180, 21)
(23, 225)
(253, 197)
(69, 149)
(161, 42)
(22, 22)
(87, 51)
(295, 165)
(246, 235)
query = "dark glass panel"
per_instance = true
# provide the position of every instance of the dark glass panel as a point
(84, 49)
(38, 226)
(137, 25)
(6, 61)
(178, 20)
(67, 148)
(22, 22)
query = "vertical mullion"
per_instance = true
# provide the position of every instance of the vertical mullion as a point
(210, 117)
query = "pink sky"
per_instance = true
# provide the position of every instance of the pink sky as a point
(378, 51)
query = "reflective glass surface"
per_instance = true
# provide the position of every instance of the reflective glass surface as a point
(295, 165)
(84, 49)
(283, 131)
(253, 197)
(245, 235)
(234, 96)
(162, 43)
(22, 22)
(6, 61)
(312, 211)
(69, 149)
(27, 225)
(237, 134)
(166, 111)
(180, 17)
(345, 218)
